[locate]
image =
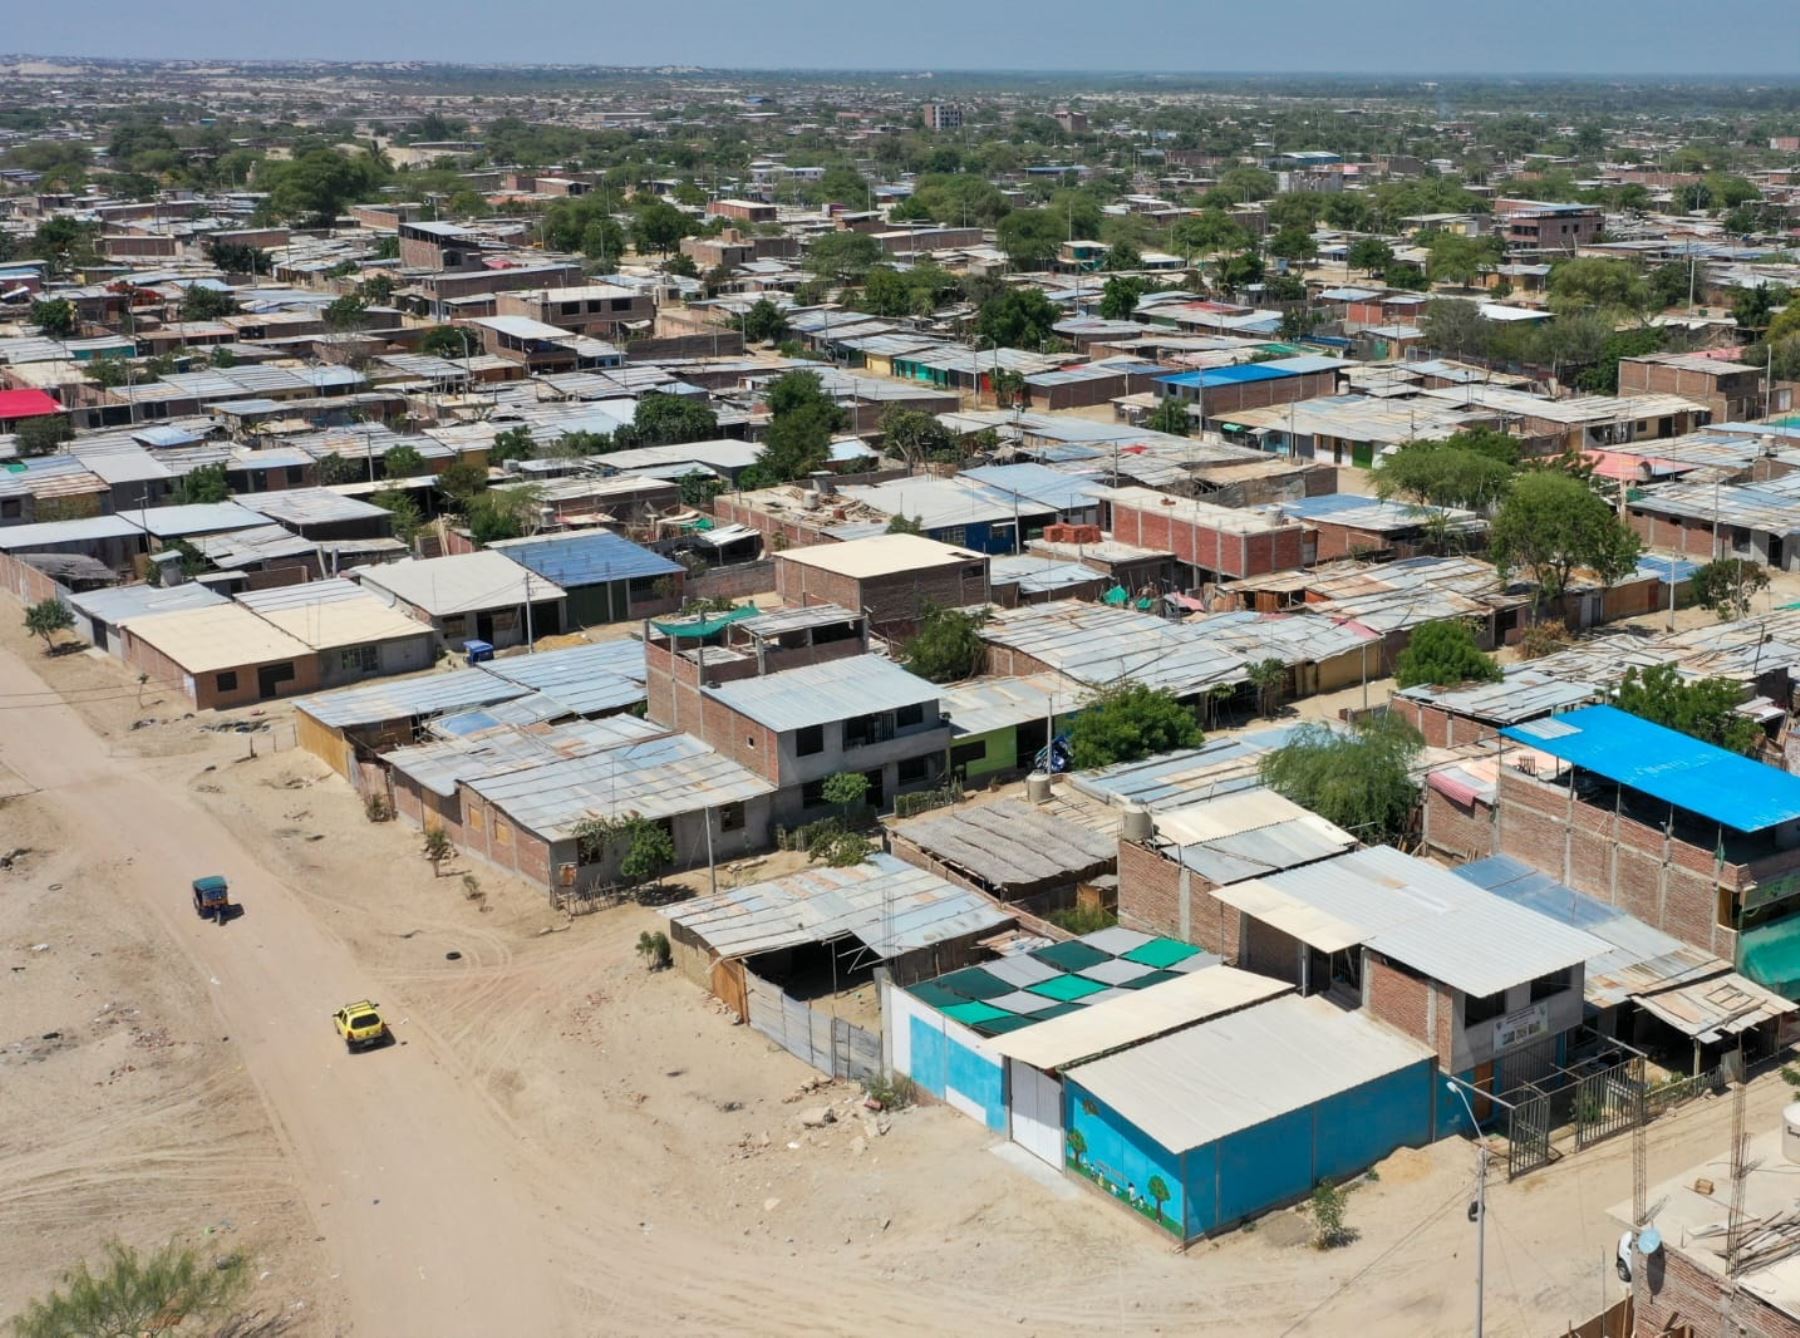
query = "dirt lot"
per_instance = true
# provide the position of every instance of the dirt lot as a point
(563, 1142)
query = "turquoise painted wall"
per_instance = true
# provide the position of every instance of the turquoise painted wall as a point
(943, 1066)
(1119, 1158)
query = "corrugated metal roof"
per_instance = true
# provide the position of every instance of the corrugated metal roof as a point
(1417, 913)
(1010, 844)
(460, 583)
(607, 676)
(890, 906)
(440, 766)
(1249, 834)
(1099, 645)
(1524, 694)
(1730, 789)
(406, 698)
(985, 704)
(1209, 1081)
(658, 778)
(592, 557)
(211, 638)
(1219, 766)
(1036, 575)
(314, 506)
(817, 694)
(881, 555)
(119, 602)
(1059, 489)
(327, 615)
(1141, 1015)
(49, 533)
(172, 522)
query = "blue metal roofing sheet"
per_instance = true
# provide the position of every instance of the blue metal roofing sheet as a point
(1227, 376)
(592, 558)
(1743, 795)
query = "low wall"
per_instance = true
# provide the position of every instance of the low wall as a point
(734, 582)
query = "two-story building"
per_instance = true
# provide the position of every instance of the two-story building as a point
(601, 309)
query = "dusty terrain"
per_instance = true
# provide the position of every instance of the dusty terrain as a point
(563, 1142)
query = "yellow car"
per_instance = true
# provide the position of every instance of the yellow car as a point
(360, 1026)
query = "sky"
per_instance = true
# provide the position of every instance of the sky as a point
(1601, 37)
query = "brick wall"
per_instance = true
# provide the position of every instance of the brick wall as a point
(734, 582)
(1461, 832)
(1674, 1295)
(1151, 888)
(1408, 1003)
(1199, 544)
(887, 600)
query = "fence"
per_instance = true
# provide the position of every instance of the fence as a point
(830, 1044)
(1666, 1096)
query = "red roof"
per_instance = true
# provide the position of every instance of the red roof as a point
(26, 404)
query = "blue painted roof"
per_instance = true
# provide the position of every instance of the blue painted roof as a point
(1743, 795)
(593, 558)
(1226, 376)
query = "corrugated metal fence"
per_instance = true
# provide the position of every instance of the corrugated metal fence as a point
(830, 1044)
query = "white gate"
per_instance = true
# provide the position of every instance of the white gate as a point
(1036, 1112)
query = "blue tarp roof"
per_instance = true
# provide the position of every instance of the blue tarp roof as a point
(1743, 795)
(574, 560)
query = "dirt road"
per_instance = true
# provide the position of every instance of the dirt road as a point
(413, 1176)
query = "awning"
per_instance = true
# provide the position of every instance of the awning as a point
(705, 626)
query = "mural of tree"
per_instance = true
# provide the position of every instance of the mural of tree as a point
(1077, 1146)
(1158, 1189)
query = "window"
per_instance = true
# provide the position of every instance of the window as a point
(226, 682)
(809, 741)
(972, 573)
(1479, 1010)
(570, 308)
(862, 730)
(812, 794)
(956, 534)
(731, 818)
(359, 659)
(908, 716)
(1557, 982)
(644, 587)
(966, 753)
(749, 740)
(913, 770)
(11, 507)
(296, 475)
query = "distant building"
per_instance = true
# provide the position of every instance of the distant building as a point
(942, 116)
(1072, 122)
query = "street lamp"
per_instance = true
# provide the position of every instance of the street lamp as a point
(1478, 1209)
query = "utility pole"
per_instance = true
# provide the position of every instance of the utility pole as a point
(1478, 1209)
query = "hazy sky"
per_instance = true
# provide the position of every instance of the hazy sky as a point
(1353, 36)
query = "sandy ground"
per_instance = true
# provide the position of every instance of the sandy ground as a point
(564, 1142)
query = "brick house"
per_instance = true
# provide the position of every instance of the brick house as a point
(1532, 225)
(1702, 843)
(1215, 542)
(798, 719)
(1733, 391)
(890, 578)
(1486, 983)
(592, 309)
(1167, 881)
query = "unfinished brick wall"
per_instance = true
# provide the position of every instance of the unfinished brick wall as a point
(1195, 542)
(1152, 888)
(1461, 832)
(1440, 728)
(1405, 1001)
(1689, 538)
(1674, 1295)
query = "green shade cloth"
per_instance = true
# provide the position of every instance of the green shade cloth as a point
(1074, 956)
(999, 1026)
(1067, 988)
(699, 627)
(1160, 952)
(974, 983)
(975, 1013)
(1770, 955)
(1154, 978)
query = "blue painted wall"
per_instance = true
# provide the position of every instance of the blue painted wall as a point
(941, 1064)
(1256, 1168)
(1119, 1156)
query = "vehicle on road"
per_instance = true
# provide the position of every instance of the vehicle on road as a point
(360, 1025)
(212, 899)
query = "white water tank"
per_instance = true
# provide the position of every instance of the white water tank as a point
(1037, 787)
(1136, 825)
(1790, 1132)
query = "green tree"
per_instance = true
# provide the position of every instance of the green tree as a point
(1577, 285)
(700, 489)
(42, 435)
(315, 187)
(763, 322)
(204, 483)
(501, 513)
(402, 462)
(1208, 231)
(1268, 677)
(1248, 184)
(671, 420)
(346, 313)
(55, 317)
(1018, 318)
(335, 469)
(1122, 255)
(948, 647)
(1170, 415)
(900, 523)
(1371, 255)
(1551, 524)
(1455, 327)
(1127, 721)
(916, 435)
(202, 302)
(1444, 654)
(1704, 708)
(1328, 1206)
(1119, 299)
(132, 1294)
(46, 618)
(407, 520)
(846, 790)
(1727, 585)
(437, 848)
(514, 443)
(1158, 1190)
(603, 240)
(460, 481)
(1293, 244)
(1455, 259)
(1032, 238)
(798, 440)
(236, 258)
(843, 257)
(449, 341)
(1436, 473)
(1754, 308)
(1360, 779)
(659, 228)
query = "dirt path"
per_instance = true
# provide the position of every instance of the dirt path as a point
(410, 1181)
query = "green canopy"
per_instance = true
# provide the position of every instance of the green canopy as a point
(1770, 955)
(1116, 596)
(706, 625)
